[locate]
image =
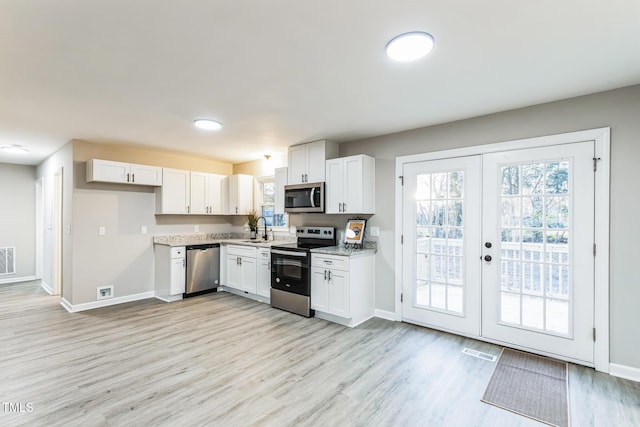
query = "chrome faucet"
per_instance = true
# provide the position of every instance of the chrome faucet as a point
(264, 221)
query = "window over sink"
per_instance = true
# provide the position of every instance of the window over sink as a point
(267, 200)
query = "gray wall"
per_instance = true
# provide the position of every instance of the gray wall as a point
(17, 220)
(618, 109)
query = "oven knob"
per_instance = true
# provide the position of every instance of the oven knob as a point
(277, 280)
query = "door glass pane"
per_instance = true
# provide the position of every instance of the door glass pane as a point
(439, 273)
(535, 231)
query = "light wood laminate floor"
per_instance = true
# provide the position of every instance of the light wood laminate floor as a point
(225, 360)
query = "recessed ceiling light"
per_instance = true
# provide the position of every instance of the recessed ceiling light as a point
(15, 149)
(410, 46)
(207, 124)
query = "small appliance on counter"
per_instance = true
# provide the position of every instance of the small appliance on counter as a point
(291, 269)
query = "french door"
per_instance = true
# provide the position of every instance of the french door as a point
(500, 246)
(441, 283)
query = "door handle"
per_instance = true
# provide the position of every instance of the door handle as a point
(488, 245)
(325, 275)
(344, 207)
(313, 190)
(127, 177)
(329, 275)
(302, 178)
(487, 258)
(133, 177)
(306, 178)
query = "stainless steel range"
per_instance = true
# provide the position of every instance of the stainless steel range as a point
(291, 269)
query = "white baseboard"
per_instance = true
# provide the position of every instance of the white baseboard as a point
(104, 303)
(383, 314)
(170, 298)
(66, 304)
(18, 279)
(626, 372)
(46, 288)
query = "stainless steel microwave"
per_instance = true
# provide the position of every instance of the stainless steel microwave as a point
(307, 197)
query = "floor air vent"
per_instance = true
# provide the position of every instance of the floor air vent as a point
(479, 354)
(7, 261)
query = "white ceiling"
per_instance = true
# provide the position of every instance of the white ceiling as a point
(280, 72)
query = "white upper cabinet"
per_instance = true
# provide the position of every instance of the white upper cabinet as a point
(350, 185)
(280, 178)
(239, 194)
(215, 193)
(199, 193)
(206, 193)
(123, 173)
(174, 195)
(307, 161)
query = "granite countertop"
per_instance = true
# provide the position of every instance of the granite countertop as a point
(368, 249)
(222, 238)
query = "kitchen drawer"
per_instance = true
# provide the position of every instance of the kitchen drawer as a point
(245, 251)
(330, 261)
(264, 254)
(177, 252)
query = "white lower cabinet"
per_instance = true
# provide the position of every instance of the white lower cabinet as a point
(342, 287)
(264, 273)
(170, 272)
(241, 268)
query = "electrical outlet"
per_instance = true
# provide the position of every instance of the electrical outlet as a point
(102, 231)
(104, 292)
(196, 228)
(143, 229)
(375, 231)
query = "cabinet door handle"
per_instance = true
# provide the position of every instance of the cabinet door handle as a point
(344, 207)
(133, 177)
(325, 275)
(188, 209)
(306, 178)
(184, 262)
(236, 209)
(127, 177)
(302, 178)
(329, 275)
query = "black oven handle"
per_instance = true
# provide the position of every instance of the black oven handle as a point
(279, 252)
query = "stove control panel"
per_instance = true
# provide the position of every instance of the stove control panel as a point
(316, 232)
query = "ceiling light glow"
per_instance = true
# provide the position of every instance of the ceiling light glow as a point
(207, 124)
(15, 149)
(410, 46)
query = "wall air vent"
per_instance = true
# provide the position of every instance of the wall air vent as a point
(7, 261)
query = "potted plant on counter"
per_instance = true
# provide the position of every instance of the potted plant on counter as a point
(252, 220)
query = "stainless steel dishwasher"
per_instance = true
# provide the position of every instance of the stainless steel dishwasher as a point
(203, 269)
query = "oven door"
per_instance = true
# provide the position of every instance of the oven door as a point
(290, 271)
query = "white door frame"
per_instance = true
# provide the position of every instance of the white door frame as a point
(57, 232)
(601, 136)
(39, 184)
